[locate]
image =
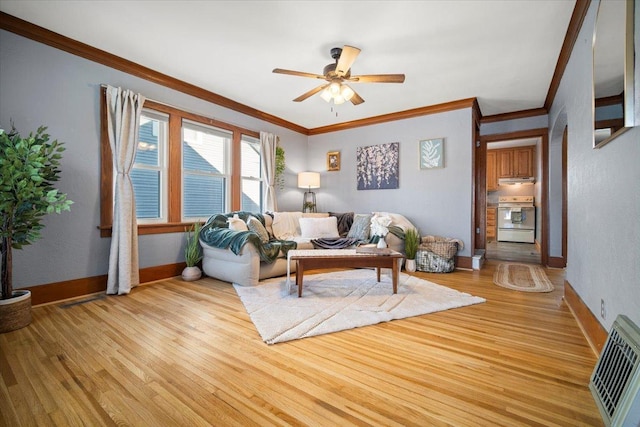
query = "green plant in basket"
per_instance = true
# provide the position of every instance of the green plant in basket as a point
(192, 252)
(29, 167)
(411, 243)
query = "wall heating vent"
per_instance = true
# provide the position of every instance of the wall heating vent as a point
(615, 382)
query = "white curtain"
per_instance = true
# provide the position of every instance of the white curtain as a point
(123, 121)
(268, 144)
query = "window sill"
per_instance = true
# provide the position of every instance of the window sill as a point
(174, 227)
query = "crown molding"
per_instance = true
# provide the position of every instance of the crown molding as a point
(406, 114)
(575, 24)
(533, 112)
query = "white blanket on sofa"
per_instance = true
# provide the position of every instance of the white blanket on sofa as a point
(286, 225)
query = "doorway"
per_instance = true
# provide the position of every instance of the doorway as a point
(503, 149)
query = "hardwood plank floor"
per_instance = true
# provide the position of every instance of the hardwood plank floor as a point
(179, 353)
(511, 251)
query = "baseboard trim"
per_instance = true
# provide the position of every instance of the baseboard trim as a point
(556, 262)
(464, 262)
(58, 291)
(591, 328)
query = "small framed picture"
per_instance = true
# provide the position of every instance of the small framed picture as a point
(333, 161)
(432, 153)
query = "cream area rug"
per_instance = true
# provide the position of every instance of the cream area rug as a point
(342, 300)
(522, 277)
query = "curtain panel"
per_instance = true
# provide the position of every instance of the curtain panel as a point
(268, 144)
(123, 121)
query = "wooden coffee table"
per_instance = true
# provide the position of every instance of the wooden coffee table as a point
(344, 258)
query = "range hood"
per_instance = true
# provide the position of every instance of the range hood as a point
(513, 181)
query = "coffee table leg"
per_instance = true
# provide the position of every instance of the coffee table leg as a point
(299, 276)
(378, 273)
(394, 276)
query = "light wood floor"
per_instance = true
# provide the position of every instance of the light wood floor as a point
(178, 353)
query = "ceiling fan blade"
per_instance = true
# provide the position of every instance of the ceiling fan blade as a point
(348, 55)
(310, 93)
(297, 73)
(378, 78)
(356, 99)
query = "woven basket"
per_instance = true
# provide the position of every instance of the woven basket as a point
(441, 246)
(433, 263)
(15, 313)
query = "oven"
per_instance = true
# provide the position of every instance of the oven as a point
(516, 219)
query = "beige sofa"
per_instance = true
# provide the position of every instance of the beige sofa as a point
(247, 269)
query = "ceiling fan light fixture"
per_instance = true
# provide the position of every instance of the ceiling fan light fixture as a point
(347, 93)
(326, 95)
(338, 99)
(335, 88)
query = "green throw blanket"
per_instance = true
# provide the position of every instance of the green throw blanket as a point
(216, 233)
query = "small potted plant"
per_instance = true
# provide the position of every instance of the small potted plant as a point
(28, 168)
(411, 243)
(192, 254)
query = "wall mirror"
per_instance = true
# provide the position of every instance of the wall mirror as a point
(614, 108)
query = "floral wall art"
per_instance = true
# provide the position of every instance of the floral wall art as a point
(378, 166)
(432, 153)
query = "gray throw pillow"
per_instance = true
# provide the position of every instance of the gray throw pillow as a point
(256, 226)
(360, 227)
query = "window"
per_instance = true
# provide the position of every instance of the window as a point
(204, 170)
(251, 174)
(188, 167)
(149, 173)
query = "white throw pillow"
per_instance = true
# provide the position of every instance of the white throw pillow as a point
(236, 224)
(316, 228)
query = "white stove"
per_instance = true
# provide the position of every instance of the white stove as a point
(516, 219)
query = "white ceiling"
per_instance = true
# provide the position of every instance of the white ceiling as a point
(502, 52)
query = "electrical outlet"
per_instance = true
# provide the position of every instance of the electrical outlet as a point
(603, 312)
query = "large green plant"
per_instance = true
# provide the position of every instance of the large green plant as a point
(28, 168)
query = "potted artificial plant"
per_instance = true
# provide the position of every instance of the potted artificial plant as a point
(192, 254)
(28, 168)
(411, 242)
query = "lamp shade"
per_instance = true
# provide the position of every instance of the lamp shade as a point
(309, 180)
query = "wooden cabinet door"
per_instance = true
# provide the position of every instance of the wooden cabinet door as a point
(491, 224)
(492, 171)
(505, 163)
(523, 162)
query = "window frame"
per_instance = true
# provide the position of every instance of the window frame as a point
(174, 223)
(200, 127)
(162, 167)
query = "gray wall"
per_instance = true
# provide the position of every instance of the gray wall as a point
(603, 193)
(40, 85)
(437, 201)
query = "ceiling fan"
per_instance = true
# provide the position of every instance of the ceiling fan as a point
(337, 74)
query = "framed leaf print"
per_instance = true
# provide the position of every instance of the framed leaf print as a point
(432, 153)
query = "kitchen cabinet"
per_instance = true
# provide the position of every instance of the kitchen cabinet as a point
(505, 163)
(491, 224)
(523, 161)
(514, 162)
(492, 171)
